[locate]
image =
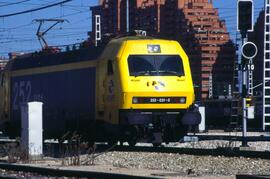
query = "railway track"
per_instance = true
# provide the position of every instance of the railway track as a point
(58, 172)
(232, 137)
(42, 172)
(226, 152)
(144, 147)
(45, 171)
(252, 176)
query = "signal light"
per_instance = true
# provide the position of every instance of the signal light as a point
(245, 16)
(249, 50)
(249, 101)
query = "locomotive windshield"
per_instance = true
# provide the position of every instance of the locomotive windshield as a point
(155, 65)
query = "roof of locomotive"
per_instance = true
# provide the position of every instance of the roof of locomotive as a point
(134, 38)
(43, 59)
(125, 38)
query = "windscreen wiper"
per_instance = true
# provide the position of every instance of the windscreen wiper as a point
(174, 73)
(142, 73)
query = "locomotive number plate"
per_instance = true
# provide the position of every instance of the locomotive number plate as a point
(159, 100)
(154, 100)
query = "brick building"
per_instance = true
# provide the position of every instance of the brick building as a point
(194, 23)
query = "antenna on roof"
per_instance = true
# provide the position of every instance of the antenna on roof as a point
(41, 34)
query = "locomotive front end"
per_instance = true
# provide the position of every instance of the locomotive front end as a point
(157, 90)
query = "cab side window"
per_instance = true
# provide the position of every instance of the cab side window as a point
(109, 67)
(2, 79)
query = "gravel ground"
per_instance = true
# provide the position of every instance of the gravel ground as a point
(213, 144)
(186, 164)
(175, 165)
(166, 165)
(13, 174)
(195, 165)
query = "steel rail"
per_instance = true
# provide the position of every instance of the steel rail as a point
(59, 172)
(252, 176)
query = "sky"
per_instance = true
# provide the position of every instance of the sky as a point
(228, 11)
(18, 33)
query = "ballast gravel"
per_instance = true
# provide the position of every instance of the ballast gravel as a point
(171, 165)
(186, 164)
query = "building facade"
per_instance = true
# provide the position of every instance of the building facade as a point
(194, 23)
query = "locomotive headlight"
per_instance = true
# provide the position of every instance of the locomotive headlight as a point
(182, 100)
(135, 100)
(153, 48)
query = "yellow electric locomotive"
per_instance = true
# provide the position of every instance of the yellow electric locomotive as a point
(145, 88)
(137, 88)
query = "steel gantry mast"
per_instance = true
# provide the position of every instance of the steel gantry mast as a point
(266, 67)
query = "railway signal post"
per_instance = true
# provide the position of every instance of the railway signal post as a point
(248, 51)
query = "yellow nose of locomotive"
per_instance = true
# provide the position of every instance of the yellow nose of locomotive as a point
(155, 74)
(157, 92)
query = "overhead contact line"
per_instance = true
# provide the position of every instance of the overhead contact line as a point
(36, 9)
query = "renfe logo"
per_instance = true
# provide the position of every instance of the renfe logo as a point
(158, 84)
